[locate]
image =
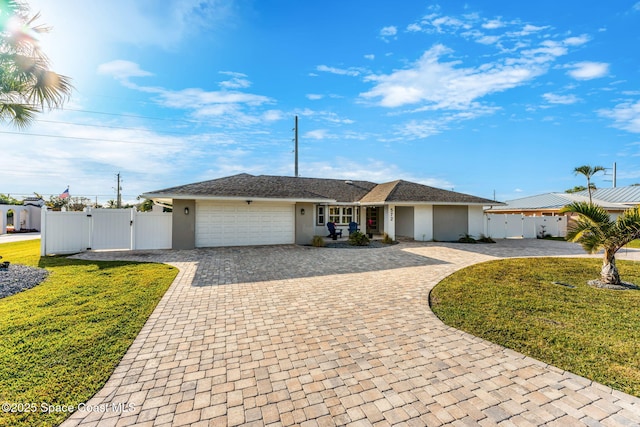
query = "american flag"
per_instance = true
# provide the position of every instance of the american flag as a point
(65, 194)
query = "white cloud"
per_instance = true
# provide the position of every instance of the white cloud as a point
(367, 169)
(448, 85)
(237, 81)
(325, 116)
(577, 41)
(388, 31)
(488, 39)
(530, 29)
(443, 23)
(546, 52)
(319, 134)
(196, 97)
(370, 57)
(589, 70)
(340, 71)
(314, 96)
(227, 107)
(87, 157)
(493, 24)
(272, 115)
(553, 98)
(122, 70)
(432, 82)
(636, 7)
(626, 116)
(414, 28)
(421, 129)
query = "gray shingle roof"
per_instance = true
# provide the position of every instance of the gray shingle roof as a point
(405, 191)
(273, 187)
(287, 187)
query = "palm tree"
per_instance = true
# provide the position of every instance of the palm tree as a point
(594, 230)
(27, 85)
(588, 171)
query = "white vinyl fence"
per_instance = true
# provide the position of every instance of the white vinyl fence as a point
(102, 229)
(505, 226)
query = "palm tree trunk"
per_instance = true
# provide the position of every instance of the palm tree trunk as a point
(609, 273)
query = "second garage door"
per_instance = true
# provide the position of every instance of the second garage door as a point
(450, 223)
(242, 224)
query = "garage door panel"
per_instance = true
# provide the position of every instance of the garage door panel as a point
(450, 222)
(239, 224)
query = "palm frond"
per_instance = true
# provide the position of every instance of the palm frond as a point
(595, 213)
(27, 85)
(592, 226)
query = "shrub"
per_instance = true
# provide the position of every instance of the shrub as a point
(317, 241)
(467, 238)
(386, 239)
(358, 239)
(485, 239)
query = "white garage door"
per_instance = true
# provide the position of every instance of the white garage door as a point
(242, 224)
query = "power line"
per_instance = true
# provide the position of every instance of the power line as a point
(85, 138)
(113, 127)
(134, 116)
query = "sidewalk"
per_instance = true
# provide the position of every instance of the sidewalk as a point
(18, 237)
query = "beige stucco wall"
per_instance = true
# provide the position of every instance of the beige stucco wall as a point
(184, 226)
(305, 223)
(405, 221)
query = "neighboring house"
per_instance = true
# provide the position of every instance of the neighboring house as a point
(21, 217)
(262, 210)
(549, 204)
(628, 196)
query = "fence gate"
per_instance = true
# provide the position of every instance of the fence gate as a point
(111, 228)
(507, 226)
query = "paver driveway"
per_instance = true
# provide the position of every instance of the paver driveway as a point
(314, 336)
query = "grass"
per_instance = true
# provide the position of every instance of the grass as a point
(515, 303)
(634, 244)
(60, 341)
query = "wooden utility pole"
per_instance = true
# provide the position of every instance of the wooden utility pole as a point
(118, 195)
(296, 146)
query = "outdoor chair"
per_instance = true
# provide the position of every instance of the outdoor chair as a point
(333, 231)
(353, 227)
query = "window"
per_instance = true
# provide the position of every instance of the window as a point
(334, 214)
(340, 214)
(320, 215)
(347, 215)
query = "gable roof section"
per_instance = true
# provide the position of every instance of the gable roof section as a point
(269, 187)
(404, 191)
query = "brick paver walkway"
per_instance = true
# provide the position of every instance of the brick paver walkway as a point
(306, 336)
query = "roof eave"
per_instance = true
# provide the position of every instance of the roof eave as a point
(160, 196)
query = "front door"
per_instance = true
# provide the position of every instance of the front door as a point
(373, 220)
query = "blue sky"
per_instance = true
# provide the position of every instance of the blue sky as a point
(482, 97)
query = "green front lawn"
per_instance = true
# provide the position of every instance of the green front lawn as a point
(634, 244)
(515, 303)
(60, 341)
